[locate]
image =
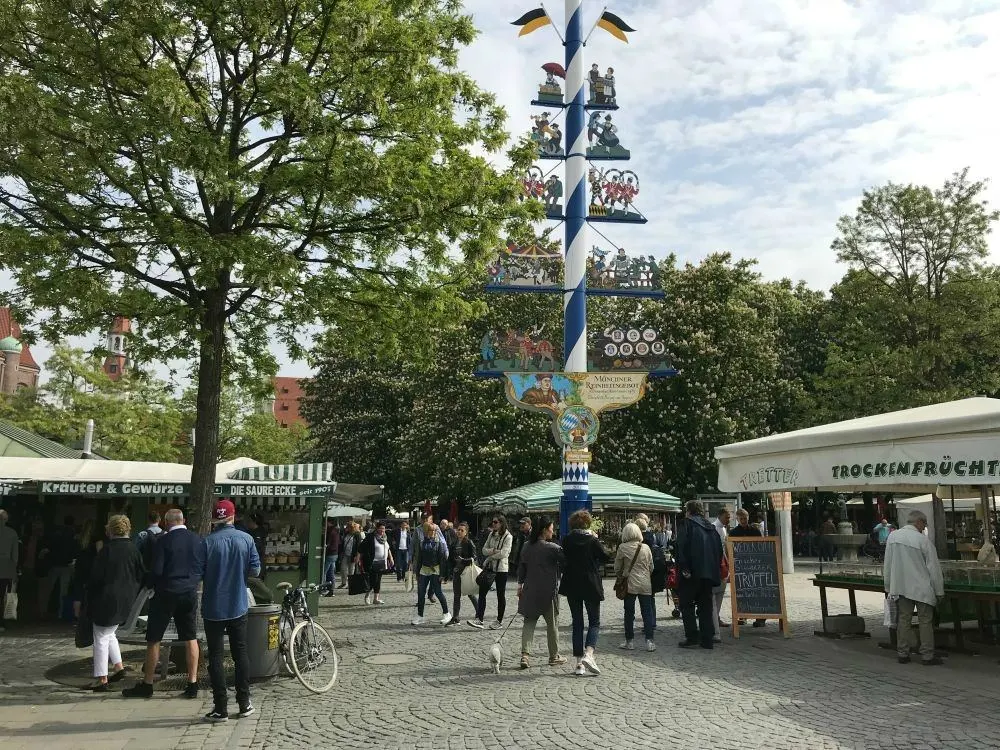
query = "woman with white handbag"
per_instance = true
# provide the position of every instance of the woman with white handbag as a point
(465, 570)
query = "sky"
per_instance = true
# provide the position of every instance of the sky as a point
(754, 125)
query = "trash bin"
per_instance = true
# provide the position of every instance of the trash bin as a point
(263, 637)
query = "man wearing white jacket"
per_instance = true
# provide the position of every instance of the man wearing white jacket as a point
(913, 577)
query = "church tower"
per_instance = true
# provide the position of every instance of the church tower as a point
(116, 360)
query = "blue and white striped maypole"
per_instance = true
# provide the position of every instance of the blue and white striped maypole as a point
(576, 484)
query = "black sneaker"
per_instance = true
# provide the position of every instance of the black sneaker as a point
(141, 690)
(191, 691)
(246, 711)
(216, 716)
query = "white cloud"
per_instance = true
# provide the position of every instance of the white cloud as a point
(754, 125)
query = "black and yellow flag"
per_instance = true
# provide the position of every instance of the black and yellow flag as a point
(614, 26)
(533, 20)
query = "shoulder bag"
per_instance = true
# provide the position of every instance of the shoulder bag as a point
(621, 584)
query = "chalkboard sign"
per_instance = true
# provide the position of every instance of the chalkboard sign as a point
(758, 589)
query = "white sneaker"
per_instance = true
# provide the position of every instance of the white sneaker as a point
(650, 646)
(417, 621)
(627, 645)
(368, 598)
(580, 671)
(716, 639)
(446, 619)
(475, 624)
(590, 664)
(496, 625)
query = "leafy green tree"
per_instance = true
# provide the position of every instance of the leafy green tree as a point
(134, 419)
(260, 437)
(720, 323)
(357, 411)
(218, 171)
(913, 320)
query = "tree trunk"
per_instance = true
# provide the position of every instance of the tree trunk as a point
(206, 427)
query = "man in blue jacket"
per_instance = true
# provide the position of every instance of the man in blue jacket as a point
(231, 557)
(178, 557)
(699, 561)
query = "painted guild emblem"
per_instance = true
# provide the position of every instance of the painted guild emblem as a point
(612, 195)
(602, 138)
(621, 271)
(548, 136)
(512, 350)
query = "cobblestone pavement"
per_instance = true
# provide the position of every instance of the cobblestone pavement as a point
(762, 691)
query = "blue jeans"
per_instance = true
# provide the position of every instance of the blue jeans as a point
(402, 560)
(593, 623)
(646, 610)
(434, 582)
(330, 570)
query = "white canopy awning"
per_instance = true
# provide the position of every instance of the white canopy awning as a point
(950, 444)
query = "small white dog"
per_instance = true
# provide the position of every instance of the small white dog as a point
(496, 657)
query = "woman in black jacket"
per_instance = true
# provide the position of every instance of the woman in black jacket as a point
(461, 555)
(583, 586)
(114, 583)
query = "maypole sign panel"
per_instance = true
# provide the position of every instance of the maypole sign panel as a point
(555, 392)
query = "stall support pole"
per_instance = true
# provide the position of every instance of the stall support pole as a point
(984, 499)
(315, 545)
(785, 531)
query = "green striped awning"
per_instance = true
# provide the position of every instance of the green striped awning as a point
(285, 473)
(605, 494)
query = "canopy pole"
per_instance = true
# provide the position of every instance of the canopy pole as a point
(984, 499)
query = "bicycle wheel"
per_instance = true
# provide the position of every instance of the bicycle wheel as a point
(314, 658)
(285, 626)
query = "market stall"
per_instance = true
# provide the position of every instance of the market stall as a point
(614, 503)
(281, 505)
(951, 448)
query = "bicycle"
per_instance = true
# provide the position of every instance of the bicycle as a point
(305, 645)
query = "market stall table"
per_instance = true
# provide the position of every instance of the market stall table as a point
(957, 609)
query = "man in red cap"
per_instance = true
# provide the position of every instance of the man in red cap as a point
(230, 558)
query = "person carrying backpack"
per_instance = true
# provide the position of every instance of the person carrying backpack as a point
(145, 540)
(431, 555)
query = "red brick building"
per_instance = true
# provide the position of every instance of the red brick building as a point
(288, 394)
(117, 359)
(18, 368)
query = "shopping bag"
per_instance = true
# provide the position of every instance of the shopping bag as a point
(889, 612)
(469, 576)
(10, 606)
(357, 583)
(83, 634)
(408, 581)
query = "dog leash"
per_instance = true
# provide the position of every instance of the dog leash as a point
(504, 631)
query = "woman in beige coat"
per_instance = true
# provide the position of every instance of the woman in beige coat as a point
(634, 561)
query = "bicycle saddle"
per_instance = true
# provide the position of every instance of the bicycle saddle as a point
(284, 586)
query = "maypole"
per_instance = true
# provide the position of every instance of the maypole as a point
(627, 355)
(575, 474)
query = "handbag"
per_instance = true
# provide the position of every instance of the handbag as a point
(724, 568)
(357, 582)
(621, 584)
(83, 632)
(10, 605)
(486, 577)
(408, 582)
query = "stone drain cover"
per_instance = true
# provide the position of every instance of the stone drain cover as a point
(387, 659)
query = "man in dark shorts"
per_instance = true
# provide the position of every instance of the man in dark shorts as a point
(178, 564)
